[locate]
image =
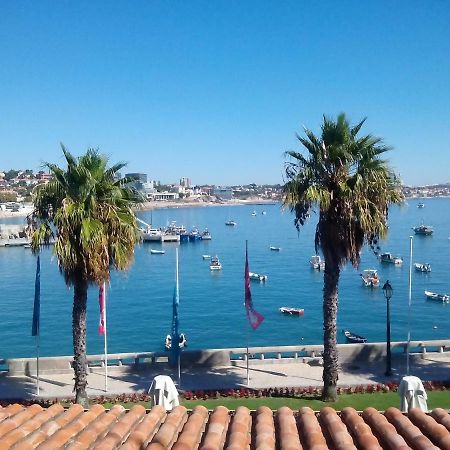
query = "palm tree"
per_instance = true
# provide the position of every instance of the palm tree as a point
(344, 178)
(89, 212)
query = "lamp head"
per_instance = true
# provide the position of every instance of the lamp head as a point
(387, 289)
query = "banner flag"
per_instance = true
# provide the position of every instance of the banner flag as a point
(37, 300)
(101, 302)
(254, 317)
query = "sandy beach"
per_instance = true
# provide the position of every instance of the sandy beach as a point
(187, 203)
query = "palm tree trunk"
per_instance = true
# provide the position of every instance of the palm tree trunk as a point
(330, 353)
(79, 341)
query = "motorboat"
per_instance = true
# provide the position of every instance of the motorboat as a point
(421, 205)
(422, 267)
(206, 235)
(389, 258)
(354, 338)
(254, 213)
(263, 213)
(370, 278)
(215, 264)
(275, 249)
(154, 251)
(230, 223)
(424, 230)
(194, 235)
(257, 276)
(292, 311)
(317, 263)
(444, 298)
(182, 341)
(206, 256)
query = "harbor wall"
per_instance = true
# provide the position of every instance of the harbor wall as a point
(311, 354)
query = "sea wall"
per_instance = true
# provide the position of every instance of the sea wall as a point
(126, 362)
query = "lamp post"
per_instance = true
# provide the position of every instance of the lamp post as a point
(387, 289)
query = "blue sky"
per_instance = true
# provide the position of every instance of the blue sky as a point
(216, 90)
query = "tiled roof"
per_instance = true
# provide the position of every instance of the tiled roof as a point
(24, 428)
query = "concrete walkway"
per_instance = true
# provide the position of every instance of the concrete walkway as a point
(262, 374)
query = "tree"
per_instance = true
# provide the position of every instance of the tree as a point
(95, 230)
(345, 179)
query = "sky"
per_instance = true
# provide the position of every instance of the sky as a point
(216, 90)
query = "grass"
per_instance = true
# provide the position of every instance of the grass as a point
(380, 401)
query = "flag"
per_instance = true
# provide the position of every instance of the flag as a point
(102, 304)
(37, 300)
(254, 317)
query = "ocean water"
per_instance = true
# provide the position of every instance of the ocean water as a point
(212, 314)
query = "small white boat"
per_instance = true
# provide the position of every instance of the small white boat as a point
(444, 298)
(263, 213)
(370, 278)
(157, 252)
(206, 256)
(422, 267)
(206, 235)
(182, 341)
(389, 258)
(317, 263)
(354, 338)
(254, 213)
(257, 276)
(230, 223)
(292, 311)
(215, 264)
(275, 249)
(420, 205)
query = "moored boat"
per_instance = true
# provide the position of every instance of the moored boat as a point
(206, 256)
(254, 213)
(206, 235)
(354, 338)
(422, 267)
(257, 276)
(154, 251)
(275, 249)
(317, 263)
(215, 263)
(389, 258)
(424, 230)
(420, 205)
(230, 223)
(292, 311)
(444, 298)
(370, 278)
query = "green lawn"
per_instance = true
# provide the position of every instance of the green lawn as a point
(379, 401)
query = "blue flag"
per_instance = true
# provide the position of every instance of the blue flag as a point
(37, 300)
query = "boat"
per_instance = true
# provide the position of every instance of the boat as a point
(275, 249)
(354, 338)
(230, 223)
(422, 267)
(424, 230)
(370, 278)
(420, 205)
(206, 235)
(206, 256)
(153, 251)
(168, 341)
(215, 263)
(257, 276)
(292, 311)
(263, 213)
(254, 213)
(194, 235)
(317, 263)
(389, 258)
(444, 298)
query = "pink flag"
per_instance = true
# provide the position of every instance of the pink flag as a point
(254, 317)
(102, 304)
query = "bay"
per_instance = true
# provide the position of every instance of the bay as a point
(212, 313)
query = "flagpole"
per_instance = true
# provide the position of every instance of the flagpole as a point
(248, 374)
(409, 303)
(178, 343)
(35, 328)
(105, 342)
(37, 363)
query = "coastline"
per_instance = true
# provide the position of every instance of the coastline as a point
(148, 206)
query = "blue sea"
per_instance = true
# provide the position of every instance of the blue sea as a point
(212, 314)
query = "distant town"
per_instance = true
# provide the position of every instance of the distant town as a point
(16, 188)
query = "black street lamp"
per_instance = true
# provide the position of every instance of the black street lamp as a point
(387, 289)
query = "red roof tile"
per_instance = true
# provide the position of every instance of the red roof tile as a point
(54, 428)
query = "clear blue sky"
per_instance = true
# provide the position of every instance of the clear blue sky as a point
(216, 90)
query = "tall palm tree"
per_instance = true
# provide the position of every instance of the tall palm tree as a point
(89, 212)
(343, 177)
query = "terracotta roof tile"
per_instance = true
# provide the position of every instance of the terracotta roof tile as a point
(54, 428)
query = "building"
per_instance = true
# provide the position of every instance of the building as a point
(185, 182)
